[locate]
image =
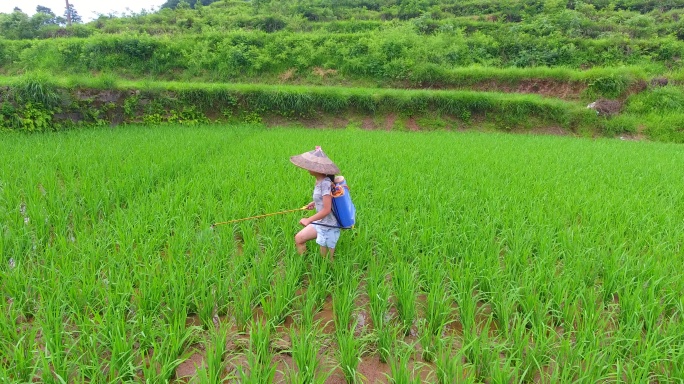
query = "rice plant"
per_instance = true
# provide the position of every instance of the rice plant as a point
(243, 302)
(449, 365)
(21, 355)
(214, 371)
(428, 342)
(351, 348)
(401, 373)
(386, 337)
(344, 294)
(406, 290)
(306, 346)
(261, 368)
(54, 360)
(549, 258)
(378, 295)
(277, 304)
(437, 305)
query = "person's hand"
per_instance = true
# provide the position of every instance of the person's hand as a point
(311, 206)
(305, 221)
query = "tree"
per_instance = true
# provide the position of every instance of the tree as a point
(71, 14)
(44, 16)
(173, 4)
(15, 25)
(45, 10)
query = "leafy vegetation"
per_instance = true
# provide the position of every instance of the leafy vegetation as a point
(505, 259)
(576, 51)
(552, 252)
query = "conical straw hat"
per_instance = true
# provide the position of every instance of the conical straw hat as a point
(315, 161)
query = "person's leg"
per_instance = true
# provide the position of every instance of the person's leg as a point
(331, 241)
(307, 233)
(324, 251)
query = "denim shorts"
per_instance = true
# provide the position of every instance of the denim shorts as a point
(327, 237)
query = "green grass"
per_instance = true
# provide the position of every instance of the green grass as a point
(191, 103)
(559, 256)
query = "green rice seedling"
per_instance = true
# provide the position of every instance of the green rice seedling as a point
(402, 355)
(21, 354)
(55, 359)
(9, 317)
(203, 298)
(506, 371)
(428, 341)
(343, 302)
(309, 306)
(278, 303)
(350, 351)
(437, 306)
(463, 287)
(385, 339)
(450, 367)
(406, 291)
(259, 356)
(214, 370)
(378, 295)
(520, 345)
(90, 346)
(476, 349)
(561, 303)
(505, 304)
(319, 281)
(262, 273)
(145, 325)
(243, 301)
(306, 345)
(116, 332)
(169, 346)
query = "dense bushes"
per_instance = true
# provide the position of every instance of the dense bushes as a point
(395, 54)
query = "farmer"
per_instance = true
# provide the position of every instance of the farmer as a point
(322, 226)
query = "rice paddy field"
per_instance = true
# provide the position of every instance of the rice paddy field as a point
(491, 258)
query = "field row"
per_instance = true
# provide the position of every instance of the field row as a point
(487, 257)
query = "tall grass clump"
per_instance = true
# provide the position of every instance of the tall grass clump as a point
(244, 299)
(277, 304)
(344, 294)
(351, 348)
(36, 88)
(449, 365)
(306, 346)
(261, 368)
(54, 360)
(400, 362)
(378, 291)
(405, 285)
(214, 370)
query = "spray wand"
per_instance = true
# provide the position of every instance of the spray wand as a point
(306, 207)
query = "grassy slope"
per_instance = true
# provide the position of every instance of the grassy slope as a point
(469, 46)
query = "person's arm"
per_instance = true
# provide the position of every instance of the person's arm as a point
(327, 208)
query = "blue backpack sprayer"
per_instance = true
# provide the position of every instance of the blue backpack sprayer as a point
(342, 207)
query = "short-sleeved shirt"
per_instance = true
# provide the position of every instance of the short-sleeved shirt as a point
(321, 189)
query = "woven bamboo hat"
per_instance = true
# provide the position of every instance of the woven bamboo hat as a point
(315, 161)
